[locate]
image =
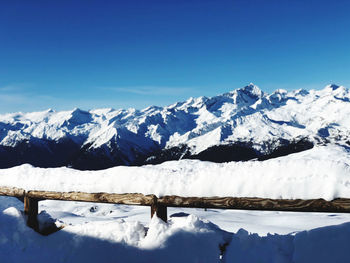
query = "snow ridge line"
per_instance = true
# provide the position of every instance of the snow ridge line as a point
(243, 119)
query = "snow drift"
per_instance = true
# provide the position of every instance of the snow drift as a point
(183, 239)
(322, 172)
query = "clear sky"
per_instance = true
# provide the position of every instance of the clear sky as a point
(120, 54)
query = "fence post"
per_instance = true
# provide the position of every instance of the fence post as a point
(159, 209)
(31, 211)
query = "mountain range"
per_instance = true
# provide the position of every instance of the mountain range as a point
(239, 125)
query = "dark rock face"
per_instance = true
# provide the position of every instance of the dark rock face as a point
(40, 153)
(227, 153)
(86, 159)
(217, 153)
(57, 154)
(168, 154)
(288, 148)
(67, 153)
(242, 151)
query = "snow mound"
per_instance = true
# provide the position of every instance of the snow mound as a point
(321, 172)
(182, 239)
(197, 240)
(325, 244)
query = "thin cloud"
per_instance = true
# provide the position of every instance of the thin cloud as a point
(17, 87)
(15, 97)
(25, 102)
(12, 98)
(11, 94)
(8, 88)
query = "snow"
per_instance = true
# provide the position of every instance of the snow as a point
(118, 240)
(110, 233)
(321, 172)
(327, 244)
(260, 222)
(248, 114)
(116, 233)
(107, 232)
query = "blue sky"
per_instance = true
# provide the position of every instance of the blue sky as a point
(121, 54)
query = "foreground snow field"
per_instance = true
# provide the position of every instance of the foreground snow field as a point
(116, 233)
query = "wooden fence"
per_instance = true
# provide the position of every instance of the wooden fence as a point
(159, 204)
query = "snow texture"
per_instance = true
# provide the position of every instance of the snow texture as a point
(117, 241)
(321, 172)
(185, 238)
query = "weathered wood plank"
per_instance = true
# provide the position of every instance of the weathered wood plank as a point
(12, 191)
(126, 199)
(341, 205)
(159, 210)
(31, 209)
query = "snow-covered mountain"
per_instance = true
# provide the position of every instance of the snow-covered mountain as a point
(239, 125)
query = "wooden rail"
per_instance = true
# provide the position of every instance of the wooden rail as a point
(339, 205)
(159, 204)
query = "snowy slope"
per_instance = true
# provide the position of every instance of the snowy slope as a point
(247, 120)
(321, 172)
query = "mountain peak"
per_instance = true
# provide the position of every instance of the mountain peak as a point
(252, 90)
(333, 86)
(103, 138)
(78, 116)
(336, 90)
